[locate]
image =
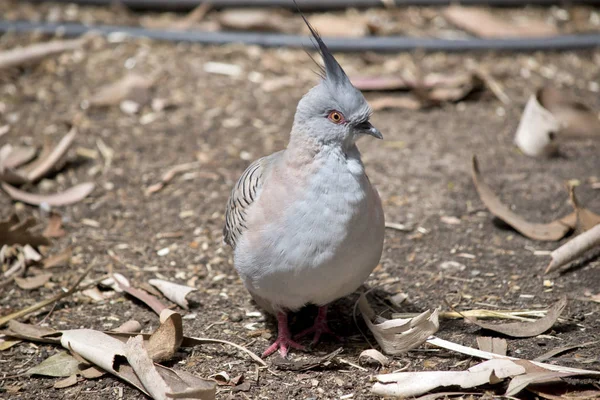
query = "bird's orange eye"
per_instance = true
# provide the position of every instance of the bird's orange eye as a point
(336, 117)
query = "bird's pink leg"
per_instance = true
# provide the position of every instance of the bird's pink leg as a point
(319, 327)
(284, 339)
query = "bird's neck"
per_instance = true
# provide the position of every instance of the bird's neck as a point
(306, 148)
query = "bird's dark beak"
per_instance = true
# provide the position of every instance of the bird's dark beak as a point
(367, 129)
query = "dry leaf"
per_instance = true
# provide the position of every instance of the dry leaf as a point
(406, 384)
(165, 341)
(33, 282)
(394, 102)
(396, 336)
(58, 259)
(13, 157)
(492, 344)
(34, 333)
(132, 87)
(575, 119)
(192, 18)
(91, 373)
(526, 329)
(330, 25)
(483, 23)
(173, 291)
(586, 219)
(48, 161)
(54, 228)
(131, 326)
(374, 355)
(30, 254)
(67, 382)
(563, 349)
(143, 367)
(552, 231)
(14, 231)
(145, 297)
(72, 195)
(59, 365)
(574, 248)
(6, 342)
(169, 175)
(254, 19)
(37, 52)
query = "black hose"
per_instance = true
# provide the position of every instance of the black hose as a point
(372, 43)
(183, 5)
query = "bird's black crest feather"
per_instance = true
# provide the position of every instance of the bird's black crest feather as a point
(332, 71)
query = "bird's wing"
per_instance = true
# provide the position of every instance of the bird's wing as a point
(244, 194)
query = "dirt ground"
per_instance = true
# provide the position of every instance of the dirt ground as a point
(421, 169)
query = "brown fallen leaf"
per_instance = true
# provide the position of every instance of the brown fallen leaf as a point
(574, 248)
(33, 282)
(54, 228)
(492, 344)
(131, 326)
(575, 118)
(6, 342)
(91, 373)
(58, 259)
(526, 329)
(33, 333)
(552, 231)
(254, 19)
(559, 350)
(586, 219)
(132, 87)
(49, 160)
(165, 341)
(395, 102)
(396, 336)
(141, 295)
(59, 365)
(13, 231)
(483, 23)
(173, 291)
(71, 195)
(37, 52)
(65, 383)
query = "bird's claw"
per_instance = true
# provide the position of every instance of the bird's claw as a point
(282, 343)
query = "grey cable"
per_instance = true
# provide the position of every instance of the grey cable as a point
(373, 43)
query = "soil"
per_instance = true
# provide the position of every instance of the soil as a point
(421, 169)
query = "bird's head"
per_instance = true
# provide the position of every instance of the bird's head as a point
(334, 111)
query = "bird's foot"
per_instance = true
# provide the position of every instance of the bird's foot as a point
(283, 344)
(319, 327)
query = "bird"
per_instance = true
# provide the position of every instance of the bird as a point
(305, 223)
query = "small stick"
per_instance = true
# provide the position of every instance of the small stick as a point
(21, 313)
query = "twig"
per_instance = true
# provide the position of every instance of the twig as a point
(198, 340)
(21, 313)
(574, 248)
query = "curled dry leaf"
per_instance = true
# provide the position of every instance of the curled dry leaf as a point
(34, 333)
(109, 354)
(406, 384)
(139, 294)
(552, 231)
(47, 162)
(165, 341)
(37, 52)
(173, 291)
(132, 87)
(142, 365)
(483, 23)
(492, 345)
(33, 282)
(15, 231)
(72, 195)
(13, 157)
(61, 364)
(374, 355)
(396, 336)
(526, 329)
(574, 248)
